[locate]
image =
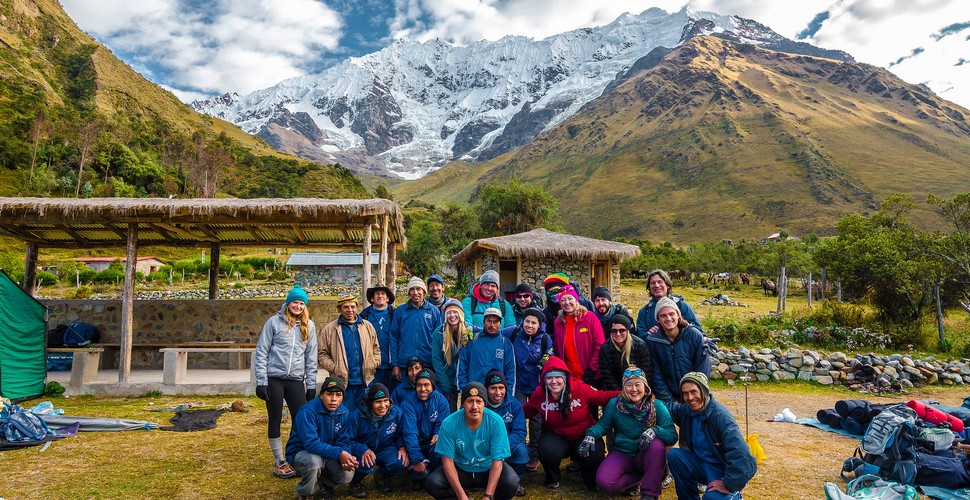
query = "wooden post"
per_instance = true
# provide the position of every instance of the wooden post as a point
(382, 258)
(391, 266)
(781, 291)
(367, 246)
(822, 297)
(214, 271)
(30, 268)
(810, 290)
(839, 298)
(128, 304)
(939, 311)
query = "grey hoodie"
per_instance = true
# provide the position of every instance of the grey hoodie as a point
(281, 352)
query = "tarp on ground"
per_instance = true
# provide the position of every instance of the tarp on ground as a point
(23, 335)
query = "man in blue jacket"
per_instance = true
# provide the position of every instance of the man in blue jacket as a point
(488, 350)
(485, 295)
(425, 409)
(675, 349)
(510, 409)
(411, 328)
(319, 448)
(379, 313)
(712, 449)
(377, 431)
(659, 285)
(532, 347)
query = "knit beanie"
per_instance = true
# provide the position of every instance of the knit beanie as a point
(414, 360)
(297, 293)
(618, 319)
(374, 392)
(555, 373)
(555, 279)
(332, 384)
(638, 375)
(454, 303)
(475, 389)
(346, 299)
(427, 374)
(494, 376)
(523, 288)
(662, 303)
(568, 290)
(417, 282)
(602, 291)
(533, 311)
(700, 380)
(490, 276)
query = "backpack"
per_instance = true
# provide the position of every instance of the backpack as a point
(18, 425)
(890, 443)
(81, 334)
(871, 487)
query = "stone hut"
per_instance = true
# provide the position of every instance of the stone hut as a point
(531, 256)
(313, 268)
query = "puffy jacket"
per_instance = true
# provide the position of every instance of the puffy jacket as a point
(475, 309)
(382, 325)
(671, 361)
(387, 432)
(333, 352)
(282, 353)
(579, 418)
(552, 308)
(510, 409)
(319, 431)
(426, 417)
(589, 338)
(530, 355)
(447, 373)
(646, 318)
(627, 429)
(411, 330)
(615, 309)
(483, 354)
(723, 434)
(612, 365)
(520, 312)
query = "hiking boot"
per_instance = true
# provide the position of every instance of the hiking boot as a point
(383, 483)
(520, 492)
(532, 466)
(668, 480)
(326, 493)
(701, 489)
(552, 486)
(632, 492)
(284, 470)
(572, 467)
(357, 490)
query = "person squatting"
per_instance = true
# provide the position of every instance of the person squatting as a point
(464, 398)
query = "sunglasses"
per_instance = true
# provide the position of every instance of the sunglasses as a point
(523, 296)
(618, 330)
(633, 373)
(554, 290)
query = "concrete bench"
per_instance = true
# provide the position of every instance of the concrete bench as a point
(85, 365)
(176, 359)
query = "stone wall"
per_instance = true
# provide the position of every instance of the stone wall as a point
(870, 371)
(178, 321)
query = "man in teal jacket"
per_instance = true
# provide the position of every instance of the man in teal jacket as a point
(485, 294)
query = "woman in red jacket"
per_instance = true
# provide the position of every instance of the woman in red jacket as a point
(563, 405)
(577, 337)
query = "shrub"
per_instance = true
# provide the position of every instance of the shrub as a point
(88, 275)
(46, 278)
(81, 292)
(110, 276)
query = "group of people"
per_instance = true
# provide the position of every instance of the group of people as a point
(473, 394)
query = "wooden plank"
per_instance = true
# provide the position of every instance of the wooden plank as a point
(214, 271)
(186, 234)
(382, 257)
(127, 304)
(30, 268)
(365, 284)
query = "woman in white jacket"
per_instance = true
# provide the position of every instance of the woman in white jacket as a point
(286, 368)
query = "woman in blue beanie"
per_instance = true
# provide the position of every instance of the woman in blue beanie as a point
(286, 368)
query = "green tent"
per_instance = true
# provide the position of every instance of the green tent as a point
(23, 335)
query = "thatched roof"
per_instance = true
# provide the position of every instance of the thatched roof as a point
(542, 243)
(103, 222)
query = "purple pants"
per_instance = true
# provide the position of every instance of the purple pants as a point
(620, 472)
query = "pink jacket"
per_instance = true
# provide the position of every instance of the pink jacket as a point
(589, 338)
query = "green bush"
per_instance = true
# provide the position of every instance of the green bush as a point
(110, 276)
(81, 292)
(88, 275)
(46, 278)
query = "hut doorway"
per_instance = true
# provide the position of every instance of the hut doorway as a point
(600, 273)
(508, 276)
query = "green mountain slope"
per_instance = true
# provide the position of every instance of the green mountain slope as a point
(721, 140)
(72, 109)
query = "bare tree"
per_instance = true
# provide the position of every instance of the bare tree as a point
(87, 136)
(39, 130)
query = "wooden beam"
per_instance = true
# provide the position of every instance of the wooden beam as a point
(164, 232)
(128, 304)
(280, 236)
(208, 231)
(255, 235)
(299, 233)
(70, 232)
(30, 268)
(367, 248)
(121, 234)
(382, 257)
(19, 233)
(214, 271)
(187, 234)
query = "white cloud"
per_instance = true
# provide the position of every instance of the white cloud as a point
(225, 45)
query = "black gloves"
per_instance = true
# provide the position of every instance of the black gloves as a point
(262, 392)
(310, 394)
(585, 446)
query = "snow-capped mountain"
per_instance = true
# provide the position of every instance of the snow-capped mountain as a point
(411, 107)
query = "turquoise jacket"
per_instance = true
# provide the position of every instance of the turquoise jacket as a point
(628, 430)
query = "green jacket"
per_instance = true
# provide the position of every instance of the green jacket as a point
(628, 430)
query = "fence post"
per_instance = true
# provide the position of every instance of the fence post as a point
(781, 291)
(811, 288)
(939, 311)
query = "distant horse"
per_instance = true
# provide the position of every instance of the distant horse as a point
(677, 274)
(769, 286)
(816, 289)
(722, 278)
(745, 279)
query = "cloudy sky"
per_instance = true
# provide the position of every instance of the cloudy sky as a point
(201, 48)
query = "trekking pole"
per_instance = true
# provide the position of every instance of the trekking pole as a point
(745, 379)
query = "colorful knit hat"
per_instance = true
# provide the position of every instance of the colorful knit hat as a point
(346, 299)
(297, 293)
(555, 279)
(567, 290)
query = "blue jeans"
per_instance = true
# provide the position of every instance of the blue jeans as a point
(315, 470)
(689, 471)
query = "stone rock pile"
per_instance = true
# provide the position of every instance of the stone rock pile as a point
(722, 300)
(861, 371)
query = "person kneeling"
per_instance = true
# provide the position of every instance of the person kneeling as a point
(377, 432)
(712, 449)
(509, 410)
(473, 445)
(317, 448)
(642, 428)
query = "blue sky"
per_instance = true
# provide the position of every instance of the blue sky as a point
(202, 48)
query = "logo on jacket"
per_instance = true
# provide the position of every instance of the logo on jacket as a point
(391, 428)
(433, 417)
(500, 353)
(427, 315)
(337, 427)
(507, 417)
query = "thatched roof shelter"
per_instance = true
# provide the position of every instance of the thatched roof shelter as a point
(542, 243)
(103, 222)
